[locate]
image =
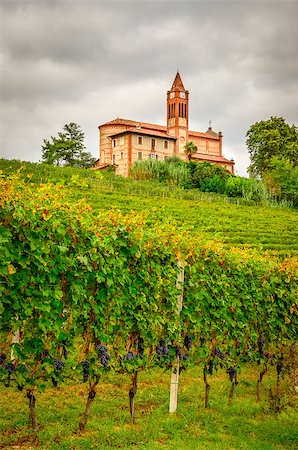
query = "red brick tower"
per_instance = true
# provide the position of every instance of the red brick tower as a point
(177, 113)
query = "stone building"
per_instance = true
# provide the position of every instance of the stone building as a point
(124, 141)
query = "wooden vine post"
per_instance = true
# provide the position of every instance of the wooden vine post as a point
(175, 369)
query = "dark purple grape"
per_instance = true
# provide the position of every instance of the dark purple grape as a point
(210, 366)
(231, 371)
(280, 365)
(10, 368)
(260, 346)
(85, 366)
(65, 352)
(130, 356)
(188, 342)
(58, 364)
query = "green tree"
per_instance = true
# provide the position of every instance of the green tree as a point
(271, 138)
(281, 180)
(68, 148)
(190, 149)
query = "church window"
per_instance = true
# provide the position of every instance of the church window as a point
(114, 142)
(140, 140)
(140, 155)
(153, 144)
(121, 155)
(114, 159)
(153, 156)
(165, 144)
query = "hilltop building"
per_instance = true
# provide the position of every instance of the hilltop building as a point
(124, 141)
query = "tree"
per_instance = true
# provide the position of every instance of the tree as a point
(190, 149)
(68, 148)
(281, 180)
(268, 139)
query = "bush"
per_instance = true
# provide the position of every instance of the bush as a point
(234, 186)
(255, 190)
(173, 172)
(208, 177)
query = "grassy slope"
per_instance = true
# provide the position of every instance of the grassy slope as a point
(210, 215)
(243, 425)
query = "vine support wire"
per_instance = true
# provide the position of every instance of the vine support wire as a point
(175, 369)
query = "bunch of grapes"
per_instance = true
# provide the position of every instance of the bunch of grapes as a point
(65, 352)
(2, 358)
(85, 365)
(179, 353)
(188, 342)
(141, 347)
(130, 356)
(261, 347)
(219, 353)
(202, 341)
(162, 349)
(58, 364)
(280, 365)
(10, 368)
(210, 366)
(103, 355)
(231, 371)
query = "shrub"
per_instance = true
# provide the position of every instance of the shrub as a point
(173, 172)
(208, 177)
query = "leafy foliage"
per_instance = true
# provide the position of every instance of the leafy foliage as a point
(87, 294)
(68, 148)
(268, 139)
(281, 180)
(190, 149)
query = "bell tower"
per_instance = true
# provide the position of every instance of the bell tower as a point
(177, 114)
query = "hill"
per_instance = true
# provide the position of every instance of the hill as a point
(271, 229)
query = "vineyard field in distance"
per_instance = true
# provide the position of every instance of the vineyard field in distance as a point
(269, 228)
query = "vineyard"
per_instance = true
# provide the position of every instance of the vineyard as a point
(91, 293)
(235, 222)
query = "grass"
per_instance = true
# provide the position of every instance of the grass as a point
(242, 425)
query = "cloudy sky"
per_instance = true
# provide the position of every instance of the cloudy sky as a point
(92, 61)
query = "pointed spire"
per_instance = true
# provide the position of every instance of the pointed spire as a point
(177, 84)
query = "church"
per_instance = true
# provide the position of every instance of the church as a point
(123, 141)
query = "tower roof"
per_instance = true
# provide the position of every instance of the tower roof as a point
(177, 84)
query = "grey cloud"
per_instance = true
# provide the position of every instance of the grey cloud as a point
(91, 61)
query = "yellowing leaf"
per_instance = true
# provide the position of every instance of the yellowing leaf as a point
(11, 269)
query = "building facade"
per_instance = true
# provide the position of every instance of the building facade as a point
(122, 141)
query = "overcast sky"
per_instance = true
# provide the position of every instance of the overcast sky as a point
(92, 61)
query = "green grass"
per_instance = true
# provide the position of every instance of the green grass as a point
(242, 425)
(271, 229)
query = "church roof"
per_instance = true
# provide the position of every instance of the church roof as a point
(207, 135)
(138, 130)
(177, 84)
(127, 122)
(211, 158)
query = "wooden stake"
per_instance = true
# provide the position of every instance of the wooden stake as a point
(175, 369)
(15, 340)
